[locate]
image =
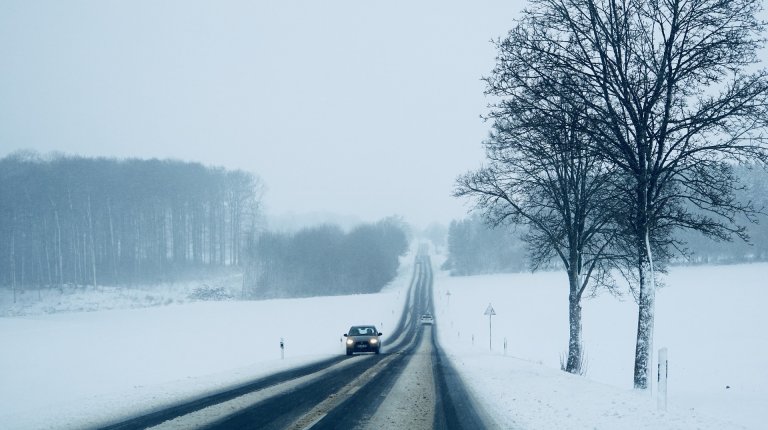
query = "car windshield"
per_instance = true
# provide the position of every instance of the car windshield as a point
(362, 331)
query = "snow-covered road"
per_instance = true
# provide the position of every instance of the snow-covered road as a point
(410, 404)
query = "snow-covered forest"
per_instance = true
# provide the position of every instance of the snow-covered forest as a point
(325, 260)
(69, 220)
(476, 248)
(101, 221)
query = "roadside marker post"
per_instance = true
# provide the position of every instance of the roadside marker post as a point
(661, 375)
(490, 312)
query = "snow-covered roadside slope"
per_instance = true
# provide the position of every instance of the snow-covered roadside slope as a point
(520, 394)
(104, 298)
(710, 318)
(77, 370)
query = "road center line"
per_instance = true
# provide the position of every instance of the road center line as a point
(207, 416)
(319, 411)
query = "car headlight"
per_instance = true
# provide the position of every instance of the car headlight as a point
(350, 342)
(374, 341)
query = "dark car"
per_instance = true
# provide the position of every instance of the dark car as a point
(427, 319)
(363, 338)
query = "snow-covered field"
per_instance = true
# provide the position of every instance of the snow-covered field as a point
(712, 320)
(101, 298)
(78, 369)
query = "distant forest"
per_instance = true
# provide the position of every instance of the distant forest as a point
(87, 221)
(699, 249)
(325, 260)
(475, 248)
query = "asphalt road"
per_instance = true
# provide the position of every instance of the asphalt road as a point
(410, 385)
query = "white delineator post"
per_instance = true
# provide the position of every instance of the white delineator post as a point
(663, 372)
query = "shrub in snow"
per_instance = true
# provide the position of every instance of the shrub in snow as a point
(210, 293)
(581, 368)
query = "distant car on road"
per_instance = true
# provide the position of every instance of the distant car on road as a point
(427, 319)
(363, 338)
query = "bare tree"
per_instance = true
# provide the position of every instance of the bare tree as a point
(669, 87)
(543, 174)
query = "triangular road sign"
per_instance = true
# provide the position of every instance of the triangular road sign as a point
(489, 310)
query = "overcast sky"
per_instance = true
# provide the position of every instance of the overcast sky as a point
(363, 108)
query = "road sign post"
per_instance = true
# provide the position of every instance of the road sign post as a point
(490, 312)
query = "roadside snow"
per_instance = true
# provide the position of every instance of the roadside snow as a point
(82, 369)
(72, 298)
(710, 318)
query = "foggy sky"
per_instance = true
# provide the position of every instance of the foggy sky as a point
(360, 108)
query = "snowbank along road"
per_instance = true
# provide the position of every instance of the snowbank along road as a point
(411, 384)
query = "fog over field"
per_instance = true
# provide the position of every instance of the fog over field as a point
(196, 195)
(336, 106)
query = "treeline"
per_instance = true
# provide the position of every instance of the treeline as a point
(88, 221)
(700, 249)
(325, 260)
(475, 248)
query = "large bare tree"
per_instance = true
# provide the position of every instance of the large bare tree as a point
(673, 90)
(543, 173)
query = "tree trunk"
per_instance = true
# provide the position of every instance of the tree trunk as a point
(575, 361)
(645, 318)
(46, 244)
(91, 243)
(85, 260)
(23, 261)
(13, 265)
(112, 243)
(59, 252)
